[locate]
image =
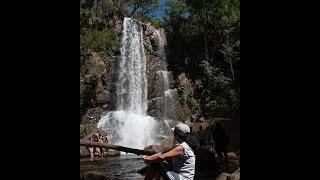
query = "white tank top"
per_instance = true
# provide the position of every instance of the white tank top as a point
(185, 164)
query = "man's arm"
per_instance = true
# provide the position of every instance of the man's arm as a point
(175, 152)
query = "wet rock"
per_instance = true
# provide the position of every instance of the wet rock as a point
(112, 153)
(84, 152)
(223, 176)
(164, 145)
(235, 175)
(95, 84)
(93, 175)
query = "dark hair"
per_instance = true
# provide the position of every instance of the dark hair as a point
(187, 139)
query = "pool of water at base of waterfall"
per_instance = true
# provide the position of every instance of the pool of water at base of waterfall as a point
(124, 166)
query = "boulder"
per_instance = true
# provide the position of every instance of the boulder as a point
(93, 175)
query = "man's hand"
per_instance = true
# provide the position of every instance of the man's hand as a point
(145, 159)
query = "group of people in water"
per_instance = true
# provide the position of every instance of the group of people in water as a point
(97, 151)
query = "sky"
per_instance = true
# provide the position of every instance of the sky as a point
(159, 14)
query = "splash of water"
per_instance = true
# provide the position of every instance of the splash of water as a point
(129, 129)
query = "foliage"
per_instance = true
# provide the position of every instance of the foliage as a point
(220, 97)
(204, 41)
(88, 19)
(96, 33)
(154, 22)
(110, 9)
(142, 7)
(105, 40)
(86, 129)
(175, 14)
(186, 92)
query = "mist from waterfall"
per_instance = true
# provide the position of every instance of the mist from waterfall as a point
(129, 125)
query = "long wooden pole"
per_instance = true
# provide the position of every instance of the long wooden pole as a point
(116, 147)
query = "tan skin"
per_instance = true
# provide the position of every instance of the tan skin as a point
(101, 149)
(175, 152)
(91, 151)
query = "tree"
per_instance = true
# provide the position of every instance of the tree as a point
(143, 7)
(205, 42)
(110, 9)
(230, 54)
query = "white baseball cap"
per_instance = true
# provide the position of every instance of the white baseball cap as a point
(182, 129)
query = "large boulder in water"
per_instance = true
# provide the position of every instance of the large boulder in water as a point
(164, 145)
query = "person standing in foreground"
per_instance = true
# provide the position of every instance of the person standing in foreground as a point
(182, 165)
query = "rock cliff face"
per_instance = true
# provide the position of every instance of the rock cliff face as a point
(96, 87)
(97, 83)
(160, 80)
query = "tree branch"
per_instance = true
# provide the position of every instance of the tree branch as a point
(115, 147)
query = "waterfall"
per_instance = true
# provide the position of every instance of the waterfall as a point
(168, 96)
(168, 103)
(129, 125)
(132, 86)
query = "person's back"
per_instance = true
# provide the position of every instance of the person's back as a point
(220, 137)
(221, 142)
(185, 165)
(201, 137)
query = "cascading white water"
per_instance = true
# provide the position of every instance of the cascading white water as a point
(168, 97)
(132, 86)
(161, 52)
(129, 125)
(168, 103)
